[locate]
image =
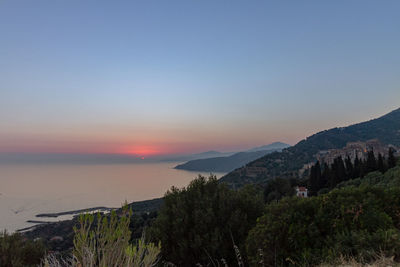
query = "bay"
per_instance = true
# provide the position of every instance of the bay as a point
(30, 189)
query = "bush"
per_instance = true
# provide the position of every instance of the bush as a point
(16, 251)
(278, 188)
(201, 223)
(358, 222)
(107, 243)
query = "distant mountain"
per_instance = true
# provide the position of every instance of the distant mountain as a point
(229, 163)
(203, 155)
(273, 146)
(290, 161)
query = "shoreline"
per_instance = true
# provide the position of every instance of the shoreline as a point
(136, 206)
(73, 212)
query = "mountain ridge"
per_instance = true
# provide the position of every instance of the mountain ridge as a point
(272, 146)
(286, 164)
(231, 162)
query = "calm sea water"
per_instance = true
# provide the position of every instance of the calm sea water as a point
(30, 189)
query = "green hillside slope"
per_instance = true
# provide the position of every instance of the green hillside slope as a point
(287, 163)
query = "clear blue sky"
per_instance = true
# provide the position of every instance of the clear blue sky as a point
(174, 76)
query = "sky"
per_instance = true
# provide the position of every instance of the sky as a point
(160, 77)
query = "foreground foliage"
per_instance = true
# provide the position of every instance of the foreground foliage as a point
(351, 221)
(202, 222)
(16, 251)
(107, 242)
(102, 241)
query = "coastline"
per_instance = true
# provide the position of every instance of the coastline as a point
(147, 206)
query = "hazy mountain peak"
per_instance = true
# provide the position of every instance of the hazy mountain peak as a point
(272, 146)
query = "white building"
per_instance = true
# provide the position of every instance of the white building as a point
(301, 191)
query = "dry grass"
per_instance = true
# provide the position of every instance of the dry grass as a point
(380, 261)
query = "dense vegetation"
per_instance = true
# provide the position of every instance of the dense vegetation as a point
(350, 221)
(203, 222)
(278, 188)
(360, 219)
(389, 179)
(17, 251)
(327, 177)
(287, 163)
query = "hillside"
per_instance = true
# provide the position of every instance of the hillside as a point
(188, 157)
(272, 146)
(222, 164)
(231, 162)
(286, 164)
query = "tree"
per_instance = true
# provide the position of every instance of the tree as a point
(381, 164)
(16, 251)
(349, 168)
(198, 224)
(325, 176)
(357, 167)
(338, 171)
(278, 188)
(371, 162)
(315, 181)
(391, 158)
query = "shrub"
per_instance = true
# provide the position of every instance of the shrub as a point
(357, 222)
(104, 241)
(16, 251)
(202, 222)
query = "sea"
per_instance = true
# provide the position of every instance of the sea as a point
(30, 189)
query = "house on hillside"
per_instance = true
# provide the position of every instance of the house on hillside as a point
(301, 191)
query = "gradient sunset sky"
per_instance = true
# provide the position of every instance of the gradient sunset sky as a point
(157, 77)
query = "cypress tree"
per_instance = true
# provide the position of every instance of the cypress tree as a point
(325, 176)
(311, 181)
(381, 165)
(338, 170)
(349, 168)
(357, 168)
(363, 168)
(391, 158)
(333, 174)
(371, 162)
(318, 175)
(315, 179)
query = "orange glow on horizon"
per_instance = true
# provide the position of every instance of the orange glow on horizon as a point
(141, 151)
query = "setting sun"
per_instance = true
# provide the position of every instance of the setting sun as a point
(140, 151)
